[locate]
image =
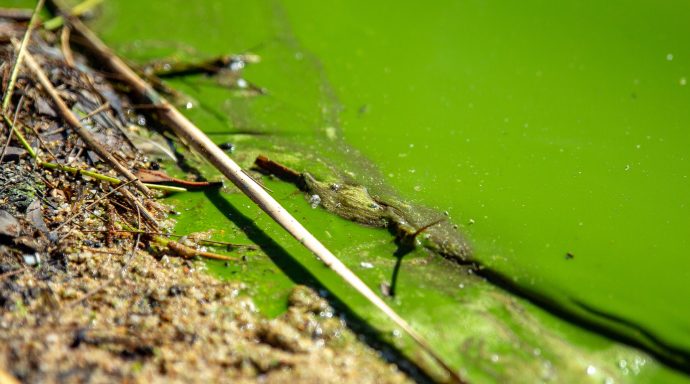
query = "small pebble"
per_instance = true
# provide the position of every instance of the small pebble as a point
(32, 260)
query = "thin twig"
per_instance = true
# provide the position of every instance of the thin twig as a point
(179, 248)
(189, 252)
(96, 111)
(10, 128)
(19, 135)
(91, 205)
(64, 46)
(140, 208)
(212, 242)
(20, 56)
(12, 273)
(191, 134)
(16, 14)
(41, 142)
(85, 135)
(102, 177)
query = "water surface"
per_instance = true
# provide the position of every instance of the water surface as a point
(553, 134)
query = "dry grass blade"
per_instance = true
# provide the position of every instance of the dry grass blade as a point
(192, 135)
(10, 128)
(20, 56)
(64, 46)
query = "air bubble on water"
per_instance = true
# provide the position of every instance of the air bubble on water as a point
(366, 265)
(417, 188)
(683, 81)
(627, 167)
(314, 201)
(669, 57)
(236, 65)
(189, 105)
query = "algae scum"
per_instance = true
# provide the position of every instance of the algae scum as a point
(553, 135)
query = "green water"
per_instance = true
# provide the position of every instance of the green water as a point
(542, 129)
(555, 127)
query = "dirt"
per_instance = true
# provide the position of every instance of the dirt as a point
(164, 319)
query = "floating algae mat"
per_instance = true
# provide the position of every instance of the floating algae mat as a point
(553, 135)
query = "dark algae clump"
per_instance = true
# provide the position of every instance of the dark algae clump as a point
(354, 203)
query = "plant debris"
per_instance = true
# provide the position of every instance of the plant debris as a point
(91, 289)
(354, 203)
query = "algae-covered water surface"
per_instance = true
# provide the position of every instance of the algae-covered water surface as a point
(553, 135)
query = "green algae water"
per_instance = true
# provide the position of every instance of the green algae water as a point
(557, 133)
(552, 134)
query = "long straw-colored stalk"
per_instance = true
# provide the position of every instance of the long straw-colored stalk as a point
(190, 133)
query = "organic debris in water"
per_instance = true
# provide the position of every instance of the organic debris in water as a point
(354, 203)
